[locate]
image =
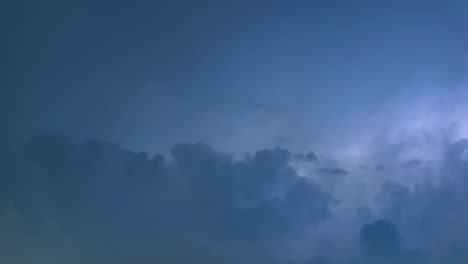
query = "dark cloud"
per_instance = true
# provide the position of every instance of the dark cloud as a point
(309, 156)
(412, 163)
(62, 194)
(416, 164)
(430, 214)
(381, 240)
(382, 243)
(332, 171)
(380, 168)
(97, 192)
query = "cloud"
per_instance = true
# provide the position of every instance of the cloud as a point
(95, 198)
(430, 213)
(413, 163)
(381, 239)
(332, 171)
(99, 193)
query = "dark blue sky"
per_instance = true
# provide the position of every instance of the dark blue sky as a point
(240, 75)
(376, 89)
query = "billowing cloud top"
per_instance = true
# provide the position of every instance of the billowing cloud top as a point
(60, 198)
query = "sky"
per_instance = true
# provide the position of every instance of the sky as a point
(233, 95)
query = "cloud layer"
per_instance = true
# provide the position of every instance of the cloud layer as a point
(62, 201)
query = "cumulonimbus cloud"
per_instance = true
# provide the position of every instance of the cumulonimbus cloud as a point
(206, 205)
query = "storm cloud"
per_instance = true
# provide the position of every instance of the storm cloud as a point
(97, 192)
(200, 204)
(318, 132)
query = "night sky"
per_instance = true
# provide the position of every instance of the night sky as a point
(267, 132)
